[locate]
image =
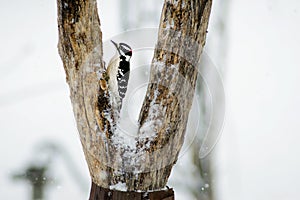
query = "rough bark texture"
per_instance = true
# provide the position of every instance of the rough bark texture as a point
(174, 71)
(147, 164)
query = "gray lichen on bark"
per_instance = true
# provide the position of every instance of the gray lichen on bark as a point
(164, 114)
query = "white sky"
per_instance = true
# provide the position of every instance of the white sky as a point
(260, 139)
(257, 156)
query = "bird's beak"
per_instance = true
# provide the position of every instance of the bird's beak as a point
(116, 45)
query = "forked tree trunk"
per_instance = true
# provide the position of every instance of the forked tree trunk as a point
(145, 164)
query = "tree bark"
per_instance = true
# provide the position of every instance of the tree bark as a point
(104, 193)
(146, 164)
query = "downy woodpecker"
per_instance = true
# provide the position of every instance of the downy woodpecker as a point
(118, 70)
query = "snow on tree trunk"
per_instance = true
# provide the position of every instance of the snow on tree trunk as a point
(114, 161)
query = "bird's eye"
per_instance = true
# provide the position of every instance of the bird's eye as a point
(128, 53)
(126, 49)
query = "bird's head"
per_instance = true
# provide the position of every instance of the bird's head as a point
(124, 50)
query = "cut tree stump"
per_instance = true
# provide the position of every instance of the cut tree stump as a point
(146, 165)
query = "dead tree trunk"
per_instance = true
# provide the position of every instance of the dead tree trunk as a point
(144, 164)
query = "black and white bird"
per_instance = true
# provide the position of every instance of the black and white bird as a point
(118, 70)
